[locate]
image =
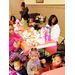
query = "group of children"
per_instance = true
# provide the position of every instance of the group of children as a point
(34, 64)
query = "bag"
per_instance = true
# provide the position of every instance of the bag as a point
(45, 33)
(47, 37)
(20, 55)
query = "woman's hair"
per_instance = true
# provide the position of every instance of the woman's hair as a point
(50, 20)
(14, 18)
(23, 4)
(16, 58)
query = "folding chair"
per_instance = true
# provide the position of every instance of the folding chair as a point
(61, 46)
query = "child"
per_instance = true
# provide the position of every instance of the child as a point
(18, 66)
(34, 65)
(12, 35)
(31, 22)
(13, 19)
(57, 62)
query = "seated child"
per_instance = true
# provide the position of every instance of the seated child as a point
(34, 65)
(57, 62)
(18, 66)
(13, 19)
(12, 35)
(31, 22)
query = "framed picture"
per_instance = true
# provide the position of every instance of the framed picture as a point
(39, 1)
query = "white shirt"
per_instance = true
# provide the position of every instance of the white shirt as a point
(55, 32)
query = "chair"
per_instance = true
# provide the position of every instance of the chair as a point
(61, 46)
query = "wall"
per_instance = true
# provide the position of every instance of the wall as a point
(47, 10)
(49, 7)
(45, 2)
(14, 7)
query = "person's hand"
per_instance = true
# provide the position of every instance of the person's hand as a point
(36, 71)
(43, 61)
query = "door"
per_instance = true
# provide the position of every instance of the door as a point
(15, 7)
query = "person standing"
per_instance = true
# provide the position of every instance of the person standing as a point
(24, 11)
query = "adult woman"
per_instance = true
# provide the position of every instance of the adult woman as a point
(54, 27)
(24, 11)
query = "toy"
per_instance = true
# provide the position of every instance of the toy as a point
(43, 61)
(45, 30)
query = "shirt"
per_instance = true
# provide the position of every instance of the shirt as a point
(11, 47)
(24, 13)
(33, 65)
(55, 32)
(22, 71)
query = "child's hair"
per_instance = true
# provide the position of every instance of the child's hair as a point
(16, 58)
(23, 4)
(33, 49)
(50, 19)
(14, 18)
(59, 56)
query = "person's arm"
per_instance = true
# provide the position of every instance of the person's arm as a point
(20, 39)
(39, 67)
(24, 12)
(18, 36)
(29, 69)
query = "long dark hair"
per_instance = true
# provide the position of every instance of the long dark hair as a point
(50, 20)
(14, 18)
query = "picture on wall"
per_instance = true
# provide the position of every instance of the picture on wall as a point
(39, 1)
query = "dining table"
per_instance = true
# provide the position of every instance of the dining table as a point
(49, 46)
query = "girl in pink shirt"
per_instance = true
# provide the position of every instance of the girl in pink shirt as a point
(12, 35)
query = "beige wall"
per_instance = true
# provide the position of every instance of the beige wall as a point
(45, 2)
(49, 9)
(44, 9)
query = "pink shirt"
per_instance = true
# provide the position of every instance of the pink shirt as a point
(11, 47)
